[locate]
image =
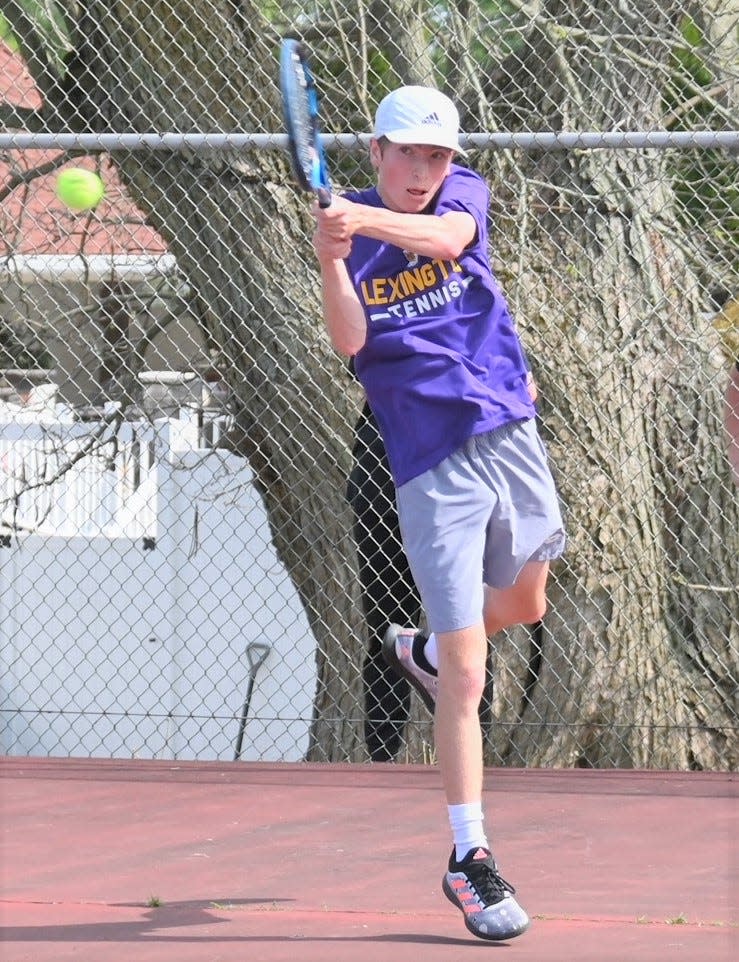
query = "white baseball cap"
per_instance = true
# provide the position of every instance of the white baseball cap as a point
(418, 115)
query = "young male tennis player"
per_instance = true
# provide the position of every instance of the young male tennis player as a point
(408, 291)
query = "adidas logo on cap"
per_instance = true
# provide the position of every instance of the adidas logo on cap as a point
(433, 119)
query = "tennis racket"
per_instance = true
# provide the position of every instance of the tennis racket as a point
(300, 108)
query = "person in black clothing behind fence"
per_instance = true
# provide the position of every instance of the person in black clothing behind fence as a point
(388, 593)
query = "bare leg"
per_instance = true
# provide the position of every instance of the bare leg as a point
(462, 657)
(458, 737)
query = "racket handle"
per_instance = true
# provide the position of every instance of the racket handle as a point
(324, 197)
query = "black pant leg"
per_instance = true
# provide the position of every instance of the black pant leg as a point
(388, 592)
(388, 596)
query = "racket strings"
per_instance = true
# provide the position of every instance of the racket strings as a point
(301, 107)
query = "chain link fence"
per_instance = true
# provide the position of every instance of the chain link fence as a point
(197, 547)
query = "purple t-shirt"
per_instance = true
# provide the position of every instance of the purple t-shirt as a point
(442, 360)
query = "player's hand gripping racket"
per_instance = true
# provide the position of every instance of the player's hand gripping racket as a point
(300, 107)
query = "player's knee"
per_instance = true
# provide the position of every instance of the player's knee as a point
(519, 608)
(535, 610)
(464, 682)
(530, 609)
(468, 687)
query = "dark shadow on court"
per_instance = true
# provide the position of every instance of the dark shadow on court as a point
(146, 930)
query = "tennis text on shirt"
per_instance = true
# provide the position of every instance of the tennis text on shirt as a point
(397, 293)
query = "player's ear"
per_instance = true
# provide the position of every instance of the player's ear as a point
(375, 152)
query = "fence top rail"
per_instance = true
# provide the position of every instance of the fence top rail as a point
(561, 140)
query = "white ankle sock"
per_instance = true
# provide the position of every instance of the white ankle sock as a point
(467, 831)
(430, 653)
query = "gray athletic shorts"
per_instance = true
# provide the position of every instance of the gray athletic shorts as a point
(477, 518)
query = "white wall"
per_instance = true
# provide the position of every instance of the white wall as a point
(108, 649)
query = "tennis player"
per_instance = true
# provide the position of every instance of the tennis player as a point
(408, 291)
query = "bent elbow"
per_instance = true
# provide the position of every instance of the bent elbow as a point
(452, 252)
(458, 230)
(346, 344)
(448, 246)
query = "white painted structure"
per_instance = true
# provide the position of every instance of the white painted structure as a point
(132, 584)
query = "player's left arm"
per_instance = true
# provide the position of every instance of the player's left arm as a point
(442, 236)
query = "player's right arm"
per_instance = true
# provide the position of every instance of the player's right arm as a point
(342, 312)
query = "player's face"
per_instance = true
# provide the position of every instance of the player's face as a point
(409, 175)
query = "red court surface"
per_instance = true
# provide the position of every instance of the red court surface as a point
(314, 863)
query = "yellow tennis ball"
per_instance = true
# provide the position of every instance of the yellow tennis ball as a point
(79, 189)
